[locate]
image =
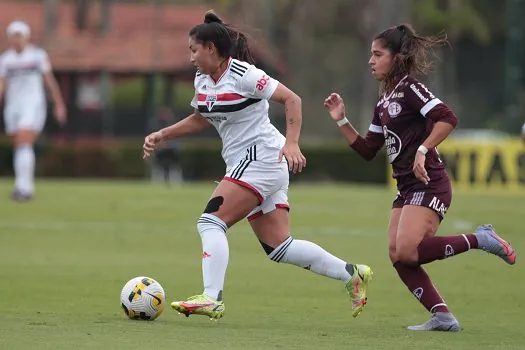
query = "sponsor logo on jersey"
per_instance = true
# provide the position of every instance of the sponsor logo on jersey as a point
(400, 94)
(392, 143)
(439, 207)
(261, 83)
(418, 93)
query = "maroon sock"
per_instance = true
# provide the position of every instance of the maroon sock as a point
(418, 282)
(438, 248)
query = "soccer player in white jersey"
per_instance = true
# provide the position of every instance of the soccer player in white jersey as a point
(23, 68)
(232, 95)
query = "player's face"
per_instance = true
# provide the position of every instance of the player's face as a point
(202, 56)
(17, 41)
(381, 60)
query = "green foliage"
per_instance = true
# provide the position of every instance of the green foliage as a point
(458, 17)
(131, 93)
(200, 160)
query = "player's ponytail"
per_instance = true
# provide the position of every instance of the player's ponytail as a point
(412, 53)
(227, 40)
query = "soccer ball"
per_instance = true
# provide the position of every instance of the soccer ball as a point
(142, 298)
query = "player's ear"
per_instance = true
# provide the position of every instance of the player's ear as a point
(210, 47)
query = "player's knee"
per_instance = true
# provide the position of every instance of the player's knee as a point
(392, 252)
(25, 137)
(210, 222)
(214, 205)
(406, 253)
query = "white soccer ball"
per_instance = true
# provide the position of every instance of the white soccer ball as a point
(142, 298)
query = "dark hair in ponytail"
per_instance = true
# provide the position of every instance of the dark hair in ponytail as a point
(412, 52)
(228, 40)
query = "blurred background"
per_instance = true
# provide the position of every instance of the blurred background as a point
(123, 68)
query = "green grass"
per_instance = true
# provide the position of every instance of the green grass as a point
(65, 257)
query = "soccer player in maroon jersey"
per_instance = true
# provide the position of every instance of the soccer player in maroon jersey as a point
(411, 122)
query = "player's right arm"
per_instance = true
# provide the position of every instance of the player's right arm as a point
(366, 147)
(192, 124)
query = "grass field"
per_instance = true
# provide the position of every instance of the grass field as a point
(65, 257)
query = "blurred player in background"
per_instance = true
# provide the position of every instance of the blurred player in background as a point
(410, 121)
(232, 95)
(23, 68)
(523, 132)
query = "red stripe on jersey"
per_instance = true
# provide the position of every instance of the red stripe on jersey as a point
(221, 97)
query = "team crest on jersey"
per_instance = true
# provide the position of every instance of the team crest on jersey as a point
(210, 101)
(394, 109)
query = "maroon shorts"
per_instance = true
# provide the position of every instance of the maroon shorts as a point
(437, 195)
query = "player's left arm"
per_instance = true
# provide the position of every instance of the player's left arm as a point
(431, 107)
(54, 89)
(256, 83)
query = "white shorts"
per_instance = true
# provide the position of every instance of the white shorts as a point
(269, 182)
(30, 116)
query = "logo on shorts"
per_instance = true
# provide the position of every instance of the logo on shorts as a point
(439, 207)
(394, 109)
(392, 144)
(210, 101)
(418, 293)
(449, 251)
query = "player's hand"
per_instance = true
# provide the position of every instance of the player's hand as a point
(419, 168)
(335, 106)
(294, 157)
(60, 114)
(151, 142)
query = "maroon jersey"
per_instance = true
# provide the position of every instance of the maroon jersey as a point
(402, 121)
(401, 117)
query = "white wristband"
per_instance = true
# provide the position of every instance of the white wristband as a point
(423, 150)
(342, 122)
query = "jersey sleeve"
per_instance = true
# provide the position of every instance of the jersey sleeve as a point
(44, 65)
(368, 146)
(419, 98)
(375, 126)
(255, 83)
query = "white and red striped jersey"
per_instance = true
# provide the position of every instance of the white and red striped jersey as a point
(237, 106)
(23, 74)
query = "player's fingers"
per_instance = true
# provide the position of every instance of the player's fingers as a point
(296, 165)
(300, 164)
(280, 159)
(291, 162)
